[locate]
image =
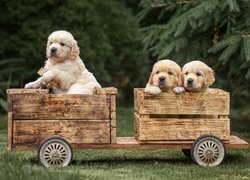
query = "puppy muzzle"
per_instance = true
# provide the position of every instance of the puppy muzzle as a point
(53, 51)
(162, 81)
(190, 82)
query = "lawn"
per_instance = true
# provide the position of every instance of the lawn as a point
(125, 164)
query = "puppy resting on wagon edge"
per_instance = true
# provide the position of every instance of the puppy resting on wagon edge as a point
(197, 77)
(65, 67)
(165, 76)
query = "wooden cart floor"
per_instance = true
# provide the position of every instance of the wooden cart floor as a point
(131, 143)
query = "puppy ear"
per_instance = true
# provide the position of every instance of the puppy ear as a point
(75, 51)
(47, 50)
(181, 80)
(150, 81)
(209, 77)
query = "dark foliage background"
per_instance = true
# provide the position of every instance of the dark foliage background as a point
(106, 31)
(214, 31)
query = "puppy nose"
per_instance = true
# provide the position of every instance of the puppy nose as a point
(190, 80)
(162, 78)
(53, 50)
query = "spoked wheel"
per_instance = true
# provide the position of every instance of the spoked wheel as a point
(55, 152)
(187, 152)
(208, 151)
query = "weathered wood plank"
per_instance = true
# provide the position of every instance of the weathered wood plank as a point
(27, 91)
(131, 143)
(237, 143)
(75, 131)
(9, 100)
(107, 90)
(10, 133)
(160, 129)
(60, 106)
(113, 118)
(216, 102)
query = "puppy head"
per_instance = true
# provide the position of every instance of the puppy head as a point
(61, 45)
(166, 74)
(197, 76)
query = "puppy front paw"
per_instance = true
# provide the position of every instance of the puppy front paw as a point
(30, 85)
(47, 77)
(179, 90)
(153, 90)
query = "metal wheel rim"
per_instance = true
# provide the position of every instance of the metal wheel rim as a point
(209, 152)
(55, 152)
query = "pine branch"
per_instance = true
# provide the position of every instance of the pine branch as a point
(246, 42)
(233, 6)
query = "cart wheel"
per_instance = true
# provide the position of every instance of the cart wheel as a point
(208, 151)
(187, 152)
(55, 151)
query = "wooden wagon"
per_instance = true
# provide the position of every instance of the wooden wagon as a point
(55, 124)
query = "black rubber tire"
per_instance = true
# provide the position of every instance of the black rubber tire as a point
(187, 152)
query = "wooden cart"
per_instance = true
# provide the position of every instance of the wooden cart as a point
(55, 124)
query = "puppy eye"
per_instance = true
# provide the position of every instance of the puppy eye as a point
(170, 73)
(157, 72)
(62, 44)
(50, 43)
(186, 73)
(198, 74)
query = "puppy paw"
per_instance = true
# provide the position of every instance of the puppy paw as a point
(29, 85)
(179, 90)
(47, 77)
(153, 90)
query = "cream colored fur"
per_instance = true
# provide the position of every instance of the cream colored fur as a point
(65, 67)
(170, 71)
(201, 74)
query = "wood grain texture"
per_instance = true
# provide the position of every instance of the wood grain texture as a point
(216, 102)
(10, 132)
(60, 106)
(113, 118)
(75, 131)
(27, 91)
(107, 90)
(165, 129)
(131, 143)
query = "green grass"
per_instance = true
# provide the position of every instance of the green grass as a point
(125, 164)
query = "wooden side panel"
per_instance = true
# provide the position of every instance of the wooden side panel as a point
(187, 103)
(136, 125)
(113, 118)
(10, 123)
(27, 91)
(107, 90)
(75, 131)
(163, 129)
(138, 99)
(60, 106)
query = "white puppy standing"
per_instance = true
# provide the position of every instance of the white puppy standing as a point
(65, 67)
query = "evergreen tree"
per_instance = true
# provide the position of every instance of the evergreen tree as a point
(214, 31)
(106, 31)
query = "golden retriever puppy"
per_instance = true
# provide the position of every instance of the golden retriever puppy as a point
(197, 76)
(165, 76)
(65, 66)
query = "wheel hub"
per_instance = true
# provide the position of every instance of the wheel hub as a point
(55, 156)
(209, 153)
